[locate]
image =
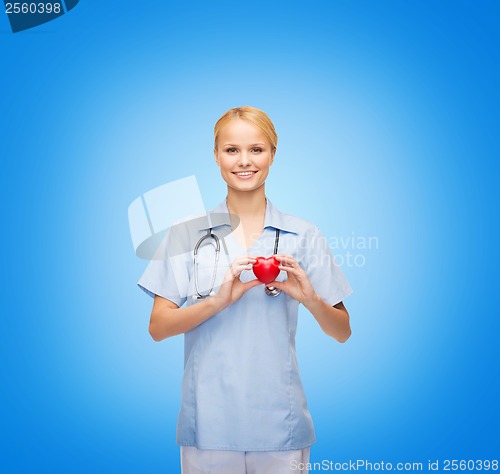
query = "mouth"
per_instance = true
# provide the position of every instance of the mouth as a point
(244, 174)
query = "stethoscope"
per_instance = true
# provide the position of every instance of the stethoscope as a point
(270, 290)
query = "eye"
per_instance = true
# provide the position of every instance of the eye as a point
(256, 150)
(231, 150)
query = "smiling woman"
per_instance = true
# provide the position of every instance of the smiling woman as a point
(243, 405)
(244, 148)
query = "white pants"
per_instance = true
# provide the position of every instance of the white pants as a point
(204, 461)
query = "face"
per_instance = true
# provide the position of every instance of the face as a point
(243, 155)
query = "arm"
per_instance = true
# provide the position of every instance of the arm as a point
(333, 320)
(168, 320)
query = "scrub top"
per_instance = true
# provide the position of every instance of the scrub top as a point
(241, 388)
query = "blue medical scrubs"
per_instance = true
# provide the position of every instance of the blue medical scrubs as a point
(241, 388)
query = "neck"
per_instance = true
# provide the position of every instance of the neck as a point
(246, 203)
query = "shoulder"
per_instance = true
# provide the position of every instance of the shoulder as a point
(302, 226)
(289, 221)
(296, 224)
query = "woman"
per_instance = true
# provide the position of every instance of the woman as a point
(243, 405)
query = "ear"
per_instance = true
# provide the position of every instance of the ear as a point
(273, 153)
(216, 155)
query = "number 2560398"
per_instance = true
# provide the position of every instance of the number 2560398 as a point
(32, 7)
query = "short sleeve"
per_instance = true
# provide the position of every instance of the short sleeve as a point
(322, 270)
(166, 276)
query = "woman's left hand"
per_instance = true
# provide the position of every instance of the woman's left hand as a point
(297, 284)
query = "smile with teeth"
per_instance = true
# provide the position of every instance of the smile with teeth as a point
(244, 173)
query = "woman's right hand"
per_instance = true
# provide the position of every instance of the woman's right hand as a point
(232, 288)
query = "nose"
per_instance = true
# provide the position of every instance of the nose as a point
(244, 160)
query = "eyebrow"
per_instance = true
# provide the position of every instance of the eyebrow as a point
(254, 144)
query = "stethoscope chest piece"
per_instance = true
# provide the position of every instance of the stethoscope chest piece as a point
(272, 291)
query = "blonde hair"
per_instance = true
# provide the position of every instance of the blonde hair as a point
(255, 116)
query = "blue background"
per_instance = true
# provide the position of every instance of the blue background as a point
(387, 115)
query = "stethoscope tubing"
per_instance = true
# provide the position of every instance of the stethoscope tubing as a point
(195, 268)
(270, 290)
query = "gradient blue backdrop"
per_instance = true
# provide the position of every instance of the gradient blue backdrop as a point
(387, 114)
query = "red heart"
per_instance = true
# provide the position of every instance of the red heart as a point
(266, 269)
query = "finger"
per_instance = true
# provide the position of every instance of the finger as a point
(251, 284)
(287, 260)
(238, 269)
(297, 271)
(281, 285)
(229, 275)
(244, 260)
(282, 256)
